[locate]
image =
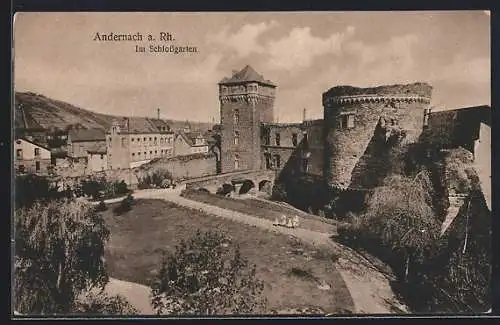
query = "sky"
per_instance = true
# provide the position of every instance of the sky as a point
(304, 53)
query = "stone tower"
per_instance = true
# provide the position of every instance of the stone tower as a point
(246, 100)
(117, 145)
(360, 126)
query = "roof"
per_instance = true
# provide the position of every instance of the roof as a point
(472, 113)
(81, 135)
(143, 125)
(247, 74)
(34, 142)
(98, 148)
(190, 137)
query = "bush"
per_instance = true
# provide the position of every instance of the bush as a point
(155, 179)
(125, 205)
(101, 207)
(207, 276)
(100, 303)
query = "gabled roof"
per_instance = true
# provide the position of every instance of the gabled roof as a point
(247, 74)
(81, 135)
(143, 125)
(34, 142)
(190, 137)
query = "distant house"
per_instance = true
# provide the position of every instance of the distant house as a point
(31, 157)
(97, 159)
(134, 141)
(81, 140)
(187, 143)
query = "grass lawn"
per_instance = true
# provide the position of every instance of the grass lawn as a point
(291, 270)
(262, 209)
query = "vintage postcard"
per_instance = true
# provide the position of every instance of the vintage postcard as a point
(251, 163)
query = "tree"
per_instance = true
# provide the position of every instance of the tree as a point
(58, 253)
(401, 215)
(207, 276)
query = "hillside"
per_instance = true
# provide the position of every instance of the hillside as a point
(40, 112)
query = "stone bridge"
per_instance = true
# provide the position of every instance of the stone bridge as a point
(238, 182)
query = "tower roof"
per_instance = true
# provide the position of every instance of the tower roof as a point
(247, 74)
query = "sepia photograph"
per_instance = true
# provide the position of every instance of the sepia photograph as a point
(292, 164)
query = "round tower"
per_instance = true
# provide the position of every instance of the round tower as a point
(362, 126)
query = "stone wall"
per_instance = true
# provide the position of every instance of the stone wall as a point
(351, 147)
(182, 167)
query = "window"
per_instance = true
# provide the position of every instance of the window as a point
(19, 153)
(132, 139)
(278, 139)
(138, 139)
(133, 154)
(138, 154)
(150, 138)
(294, 139)
(156, 152)
(277, 161)
(21, 168)
(151, 152)
(102, 156)
(236, 138)
(37, 152)
(161, 151)
(236, 162)
(155, 140)
(236, 116)
(144, 139)
(145, 153)
(37, 166)
(347, 121)
(427, 112)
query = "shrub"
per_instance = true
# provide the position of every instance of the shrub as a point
(207, 276)
(100, 303)
(125, 205)
(101, 207)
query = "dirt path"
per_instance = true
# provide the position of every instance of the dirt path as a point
(369, 288)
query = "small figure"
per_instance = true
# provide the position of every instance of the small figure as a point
(295, 222)
(283, 220)
(276, 222)
(289, 223)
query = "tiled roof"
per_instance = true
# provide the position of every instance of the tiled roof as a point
(247, 74)
(99, 148)
(190, 137)
(87, 135)
(143, 125)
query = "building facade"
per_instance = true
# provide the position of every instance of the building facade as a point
(246, 100)
(187, 143)
(79, 141)
(132, 144)
(31, 157)
(97, 159)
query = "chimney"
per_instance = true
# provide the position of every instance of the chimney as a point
(304, 115)
(158, 112)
